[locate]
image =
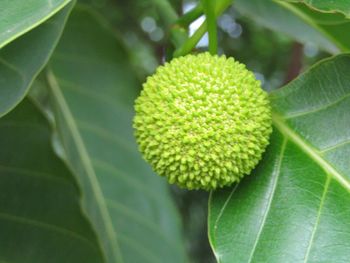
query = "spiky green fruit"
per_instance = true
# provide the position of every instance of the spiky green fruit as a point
(202, 121)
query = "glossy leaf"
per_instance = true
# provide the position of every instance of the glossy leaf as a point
(18, 17)
(22, 59)
(331, 25)
(93, 89)
(341, 6)
(294, 207)
(275, 15)
(40, 215)
(326, 30)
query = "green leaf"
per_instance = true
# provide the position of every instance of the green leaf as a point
(40, 214)
(22, 59)
(274, 15)
(341, 6)
(18, 17)
(331, 25)
(93, 88)
(295, 206)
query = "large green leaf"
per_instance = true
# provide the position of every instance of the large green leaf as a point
(40, 214)
(295, 206)
(22, 59)
(331, 25)
(341, 6)
(275, 15)
(93, 88)
(18, 17)
(296, 20)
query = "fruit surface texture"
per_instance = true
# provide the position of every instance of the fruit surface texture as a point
(202, 121)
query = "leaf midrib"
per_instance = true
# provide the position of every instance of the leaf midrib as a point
(89, 169)
(309, 150)
(313, 234)
(50, 227)
(276, 175)
(312, 23)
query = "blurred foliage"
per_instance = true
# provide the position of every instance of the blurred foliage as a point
(141, 25)
(194, 212)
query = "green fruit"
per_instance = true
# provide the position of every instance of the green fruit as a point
(202, 121)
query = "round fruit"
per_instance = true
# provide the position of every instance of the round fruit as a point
(202, 121)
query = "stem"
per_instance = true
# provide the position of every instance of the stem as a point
(190, 16)
(190, 43)
(209, 10)
(178, 32)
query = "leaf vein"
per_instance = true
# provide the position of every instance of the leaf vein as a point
(335, 146)
(139, 218)
(38, 174)
(106, 219)
(275, 180)
(300, 114)
(13, 68)
(144, 252)
(314, 154)
(307, 254)
(103, 133)
(128, 179)
(44, 225)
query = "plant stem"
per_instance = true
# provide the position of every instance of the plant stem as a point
(209, 10)
(190, 16)
(191, 42)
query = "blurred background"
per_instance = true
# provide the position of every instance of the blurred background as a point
(275, 59)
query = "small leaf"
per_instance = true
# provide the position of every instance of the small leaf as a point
(40, 215)
(294, 207)
(93, 89)
(22, 59)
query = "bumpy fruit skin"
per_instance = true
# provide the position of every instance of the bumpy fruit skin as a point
(202, 121)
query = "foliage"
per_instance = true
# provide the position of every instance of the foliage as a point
(73, 186)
